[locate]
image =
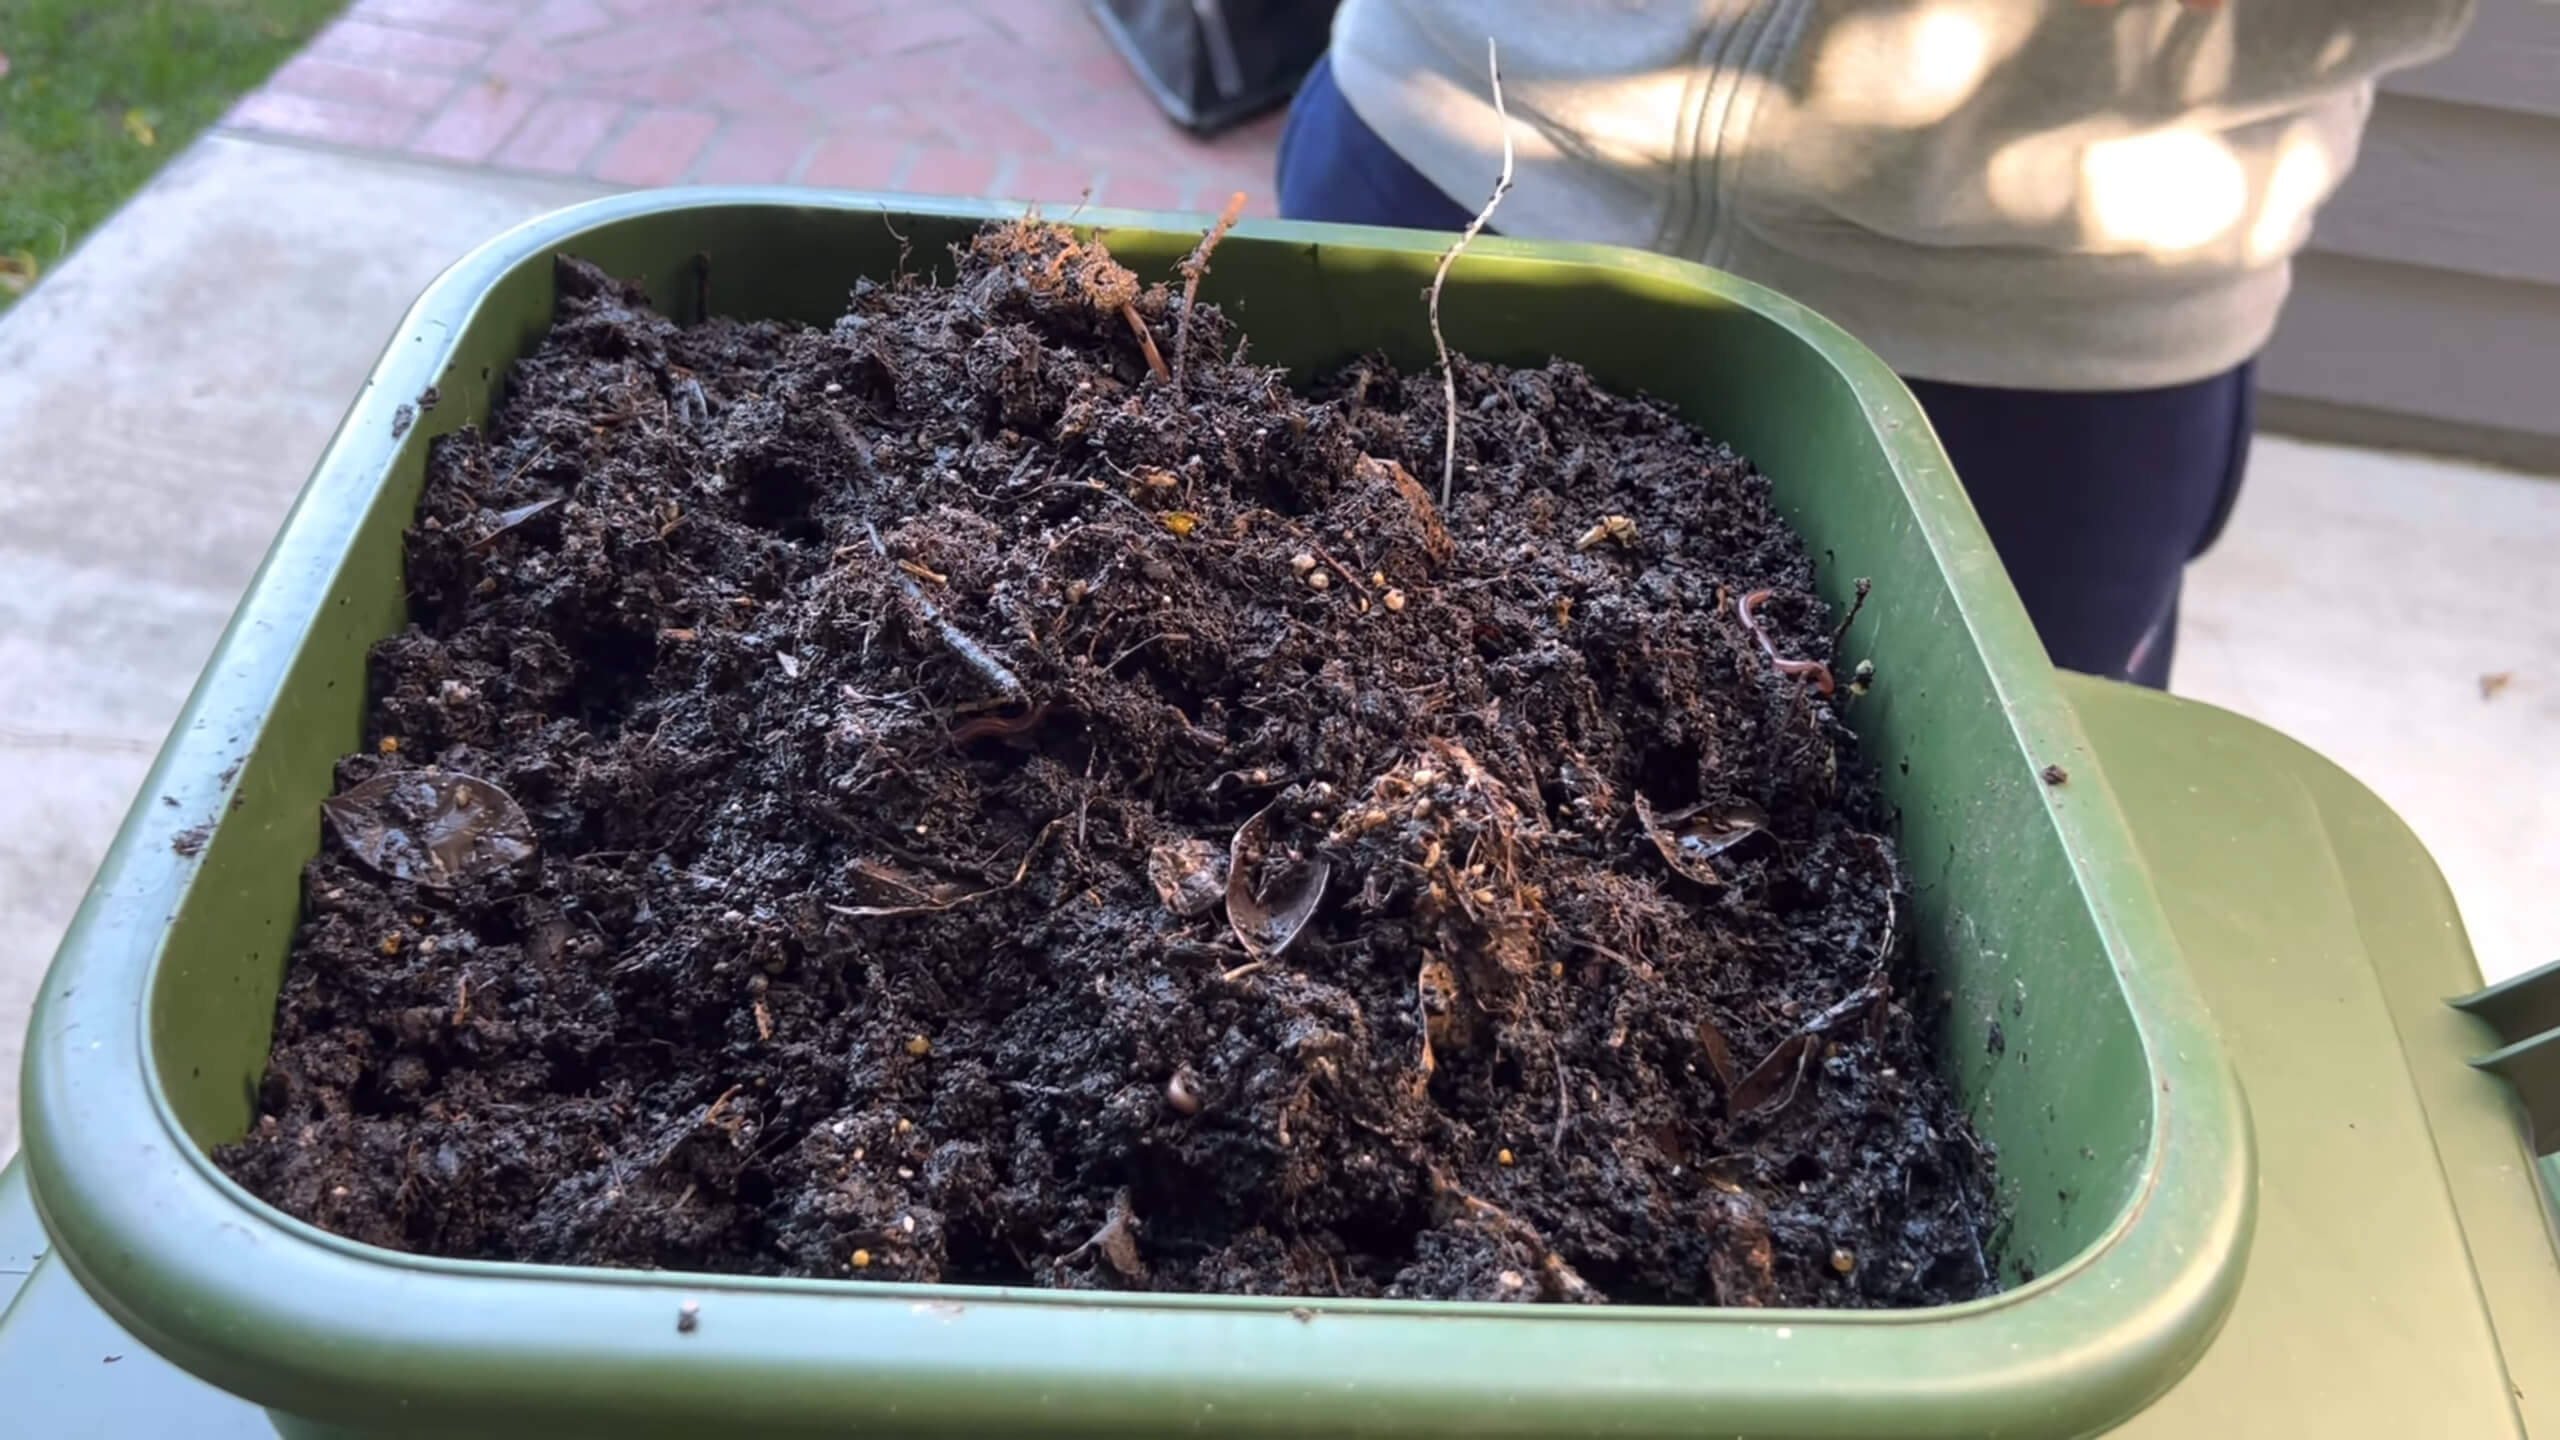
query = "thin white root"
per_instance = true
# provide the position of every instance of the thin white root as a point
(1449, 257)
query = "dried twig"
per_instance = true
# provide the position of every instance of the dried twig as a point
(989, 668)
(1349, 576)
(1449, 257)
(711, 1112)
(1146, 341)
(1857, 603)
(1556, 1279)
(1193, 267)
(536, 458)
(904, 247)
(934, 907)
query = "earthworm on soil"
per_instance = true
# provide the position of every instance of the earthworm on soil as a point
(986, 725)
(1819, 672)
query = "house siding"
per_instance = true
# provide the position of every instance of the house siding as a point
(2426, 313)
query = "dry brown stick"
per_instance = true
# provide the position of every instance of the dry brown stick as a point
(883, 912)
(1193, 267)
(1349, 576)
(1449, 257)
(1857, 603)
(992, 670)
(1147, 341)
(711, 1112)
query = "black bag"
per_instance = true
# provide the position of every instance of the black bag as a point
(1212, 64)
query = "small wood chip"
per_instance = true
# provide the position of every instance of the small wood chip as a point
(1182, 1092)
(1611, 527)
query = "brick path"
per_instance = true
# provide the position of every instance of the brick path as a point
(1017, 99)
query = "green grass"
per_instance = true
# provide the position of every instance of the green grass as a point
(100, 92)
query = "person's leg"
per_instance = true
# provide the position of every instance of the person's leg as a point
(1334, 167)
(2096, 502)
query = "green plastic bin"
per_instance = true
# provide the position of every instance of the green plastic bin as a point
(2124, 1147)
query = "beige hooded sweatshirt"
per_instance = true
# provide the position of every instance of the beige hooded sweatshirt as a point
(2049, 194)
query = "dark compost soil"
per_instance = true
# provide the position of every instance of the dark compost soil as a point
(885, 703)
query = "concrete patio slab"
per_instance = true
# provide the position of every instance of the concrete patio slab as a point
(2401, 615)
(162, 397)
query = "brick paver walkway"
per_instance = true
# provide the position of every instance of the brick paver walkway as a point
(1018, 99)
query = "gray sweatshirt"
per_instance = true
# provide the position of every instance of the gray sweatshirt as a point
(2052, 194)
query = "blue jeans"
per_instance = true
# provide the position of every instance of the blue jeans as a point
(2096, 500)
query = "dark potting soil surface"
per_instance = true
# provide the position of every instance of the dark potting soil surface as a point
(885, 704)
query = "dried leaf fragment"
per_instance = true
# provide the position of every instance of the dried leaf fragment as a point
(1265, 930)
(1691, 837)
(1776, 1072)
(1186, 876)
(510, 519)
(1117, 1241)
(1611, 527)
(1437, 545)
(431, 827)
(1719, 1053)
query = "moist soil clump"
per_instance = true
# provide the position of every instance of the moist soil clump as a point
(934, 798)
